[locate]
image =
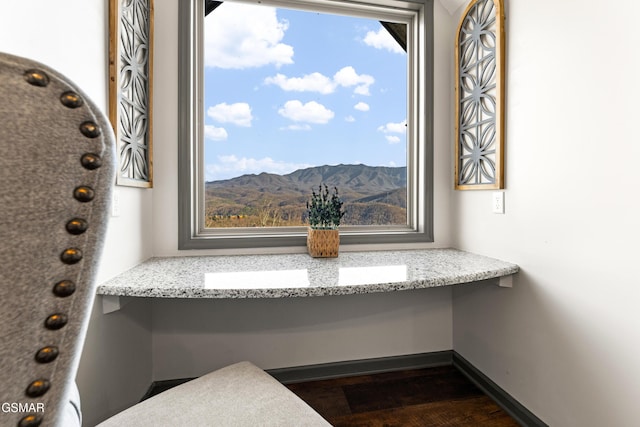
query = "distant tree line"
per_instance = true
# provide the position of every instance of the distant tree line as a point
(267, 212)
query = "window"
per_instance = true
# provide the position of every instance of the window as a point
(246, 113)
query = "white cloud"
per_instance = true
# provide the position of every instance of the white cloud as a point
(361, 106)
(394, 127)
(231, 165)
(311, 112)
(350, 119)
(245, 36)
(314, 82)
(348, 77)
(239, 113)
(215, 133)
(317, 82)
(392, 139)
(297, 127)
(362, 90)
(382, 40)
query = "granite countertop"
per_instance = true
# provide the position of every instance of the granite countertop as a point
(299, 275)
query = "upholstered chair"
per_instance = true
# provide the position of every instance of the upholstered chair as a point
(56, 172)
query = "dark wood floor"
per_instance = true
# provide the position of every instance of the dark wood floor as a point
(423, 397)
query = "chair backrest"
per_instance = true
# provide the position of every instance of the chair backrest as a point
(56, 174)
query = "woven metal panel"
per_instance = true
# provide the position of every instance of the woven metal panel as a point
(131, 90)
(479, 96)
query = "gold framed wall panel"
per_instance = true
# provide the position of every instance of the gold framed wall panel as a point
(131, 89)
(480, 97)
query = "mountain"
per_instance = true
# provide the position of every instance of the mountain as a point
(397, 197)
(362, 179)
(372, 195)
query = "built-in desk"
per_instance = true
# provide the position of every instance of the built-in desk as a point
(299, 275)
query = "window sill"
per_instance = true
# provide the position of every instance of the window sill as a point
(299, 275)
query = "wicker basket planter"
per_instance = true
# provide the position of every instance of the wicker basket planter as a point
(323, 243)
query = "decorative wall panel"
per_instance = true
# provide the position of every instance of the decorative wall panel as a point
(130, 88)
(479, 54)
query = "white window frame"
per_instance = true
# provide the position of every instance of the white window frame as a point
(418, 15)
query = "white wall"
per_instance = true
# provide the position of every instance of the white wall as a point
(71, 37)
(115, 368)
(564, 340)
(193, 337)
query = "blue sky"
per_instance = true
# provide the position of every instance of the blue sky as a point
(287, 89)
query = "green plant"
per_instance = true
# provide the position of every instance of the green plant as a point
(325, 209)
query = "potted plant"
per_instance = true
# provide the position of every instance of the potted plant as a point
(324, 211)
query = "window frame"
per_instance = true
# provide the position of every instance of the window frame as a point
(191, 231)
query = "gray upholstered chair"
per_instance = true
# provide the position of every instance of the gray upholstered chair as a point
(56, 173)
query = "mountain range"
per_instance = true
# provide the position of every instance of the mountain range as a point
(371, 195)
